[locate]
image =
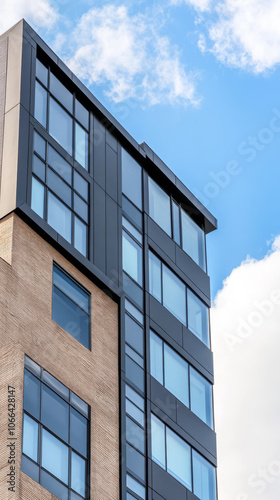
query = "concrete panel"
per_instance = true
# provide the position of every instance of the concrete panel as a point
(15, 40)
(10, 162)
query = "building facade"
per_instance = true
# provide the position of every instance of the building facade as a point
(106, 364)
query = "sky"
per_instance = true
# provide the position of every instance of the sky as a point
(198, 81)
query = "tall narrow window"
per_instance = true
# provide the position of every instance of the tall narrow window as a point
(198, 318)
(159, 207)
(55, 434)
(131, 179)
(71, 306)
(193, 238)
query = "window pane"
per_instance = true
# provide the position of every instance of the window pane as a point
(134, 335)
(159, 207)
(61, 126)
(81, 185)
(79, 404)
(134, 373)
(32, 366)
(82, 114)
(59, 187)
(38, 167)
(55, 413)
(30, 438)
(135, 462)
(54, 384)
(30, 468)
(134, 312)
(80, 207)
(135, 413)
(158, 441)
(70, 317)
(198, 319)
(155, 277)
(61, 93)
(59, 217)
(176, 222)
(193, 239)
(54, 456)
(41, 72)
(133, 485)
(38, 197)
(60, 165)
(178, 458)
(78, 438)
(156, 357)
(81, 146)
(176, 375)
(132, 258)
(204, 478)
(40, 104)
(39, 145)
(70, 288)
(132, 230)
(80, 236)
(54, 486)
(31, 394)
(78, 474)
(131, 179)
(132, 212)
(134, 397)
(132, 354)
(201, 397)
(135, 435)
(174, 294)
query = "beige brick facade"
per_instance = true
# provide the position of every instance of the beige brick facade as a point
(26, 327)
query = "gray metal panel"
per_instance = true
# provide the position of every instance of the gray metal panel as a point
(162, 398)
(99, 143)
(198, 350)
(191, 424)
(166, 485)
(111, 141)
(193, 271)
(160, 315)
(99, 237)
(161, 239)
(111, 173)
(112, 241)
(3, 76)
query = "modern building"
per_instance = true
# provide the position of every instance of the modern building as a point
(106, 368)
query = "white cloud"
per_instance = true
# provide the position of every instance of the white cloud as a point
(200, 5)
(246, 345)
(128, 55)
(246, 34)
(40, 13)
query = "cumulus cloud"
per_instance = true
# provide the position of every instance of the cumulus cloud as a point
(246, 344)
(40, 13)
(127, 54)
(200, 5)
(246, 34)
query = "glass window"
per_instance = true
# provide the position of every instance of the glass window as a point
(198, 318)
(135, 462)
(61, 126)
(39, 168)
(131, 179)
(55, 456)
(132, 230)
(48, 444)
(178, 458)
(176, 375)
(60, 165)
(134, 335)
(174, 294)
(155, 277)
(193, 240)
(134, 312)
(59, 217)
(159, 207)
(78, 474)
(41, 98)
(55, 413)
(201, 397)
(82, 114)
(59, 187)
(61, 93)
(38, 197)
(156, 357)
(80, 236)
(81, 185)
(135, 435)
(71, 307)
(134, 373)
(39, 145)
(81, 146)
(134, 412)
(204, 478)
(30, 437)
(133, 485)
(158, 441)
(80, 207)
(132, 258)
(176, 222)
(134, 397)
(41, 73)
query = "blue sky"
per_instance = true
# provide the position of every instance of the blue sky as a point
(198, 81)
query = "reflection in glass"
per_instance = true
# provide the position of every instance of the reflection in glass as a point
(155, 277)
(61, 126)
(178, 458)
(198, 319)
(159, 207)
(158, 441)
(193, 240)
(156, 357)
(78, 474)
(81, 146)
(131, 179)
(54, 456)
(174, 294)
(132, 258)
(204, 478)
(30, 438)
(80, 236)
(201, 397)
(38, 197)
(55, 413)
(41, 104)
(59, 217)
(176, 375)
